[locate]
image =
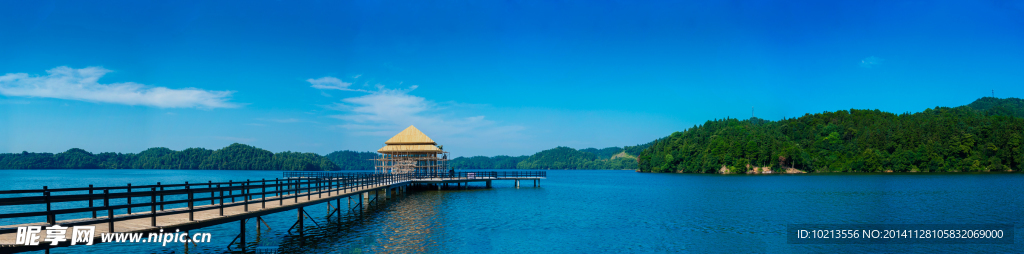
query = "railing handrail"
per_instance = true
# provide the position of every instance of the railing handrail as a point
(458, 174)
(292, 186)
(250, 192)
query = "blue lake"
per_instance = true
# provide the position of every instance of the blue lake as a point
(594, 211)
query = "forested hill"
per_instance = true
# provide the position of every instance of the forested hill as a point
(980, 137)
(245, 157)
(235, 156)
(484, 162)
(558, 158)
(568, 158)
(993, 106)
(352, 160)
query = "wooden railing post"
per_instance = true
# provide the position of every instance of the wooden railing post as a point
(188, 189)
(248, 190)
(129, 198)
(152, 206)
(280, 200)
(110, 212)
(231, 192)
(90, 202)
(221, 199)
(161, 196)
(50, 218)
(263, 194)
(209, 185)
(245, 195)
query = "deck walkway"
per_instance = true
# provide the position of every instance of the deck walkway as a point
(254, 199)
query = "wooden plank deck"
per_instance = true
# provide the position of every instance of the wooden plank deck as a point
(202, 218)
(208, 215)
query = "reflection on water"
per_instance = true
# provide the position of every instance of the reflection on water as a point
(401, 224)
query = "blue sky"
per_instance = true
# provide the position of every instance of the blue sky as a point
(480, 77)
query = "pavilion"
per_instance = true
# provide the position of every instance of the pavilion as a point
(411, 151)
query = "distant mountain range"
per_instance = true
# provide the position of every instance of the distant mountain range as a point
(555, 158)
(983, 136)
(558, 158)
(245, 157)
(235, 156)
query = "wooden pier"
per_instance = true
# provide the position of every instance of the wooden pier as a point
(192, 206)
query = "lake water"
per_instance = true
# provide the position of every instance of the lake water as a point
(593, 211)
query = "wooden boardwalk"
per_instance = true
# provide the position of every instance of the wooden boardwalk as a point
(252, 199)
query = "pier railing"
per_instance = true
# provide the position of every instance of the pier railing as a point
(103, 203)
(160, 199)
(460, 175)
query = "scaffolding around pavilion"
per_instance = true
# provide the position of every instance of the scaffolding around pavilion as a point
(411, 151)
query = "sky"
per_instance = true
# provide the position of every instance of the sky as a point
(479, 77)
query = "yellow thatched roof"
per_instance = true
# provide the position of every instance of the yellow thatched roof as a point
(409, 149)
(410, 140)
(410, 136)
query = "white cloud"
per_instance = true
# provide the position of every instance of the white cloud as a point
(387, 111)
(332, 83)
(871, 62)
(82, 84)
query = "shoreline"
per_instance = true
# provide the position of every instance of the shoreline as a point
(842, 173)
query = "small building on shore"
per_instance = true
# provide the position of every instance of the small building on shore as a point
(411, 151)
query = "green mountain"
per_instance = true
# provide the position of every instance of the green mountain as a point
(244, 157)
(235, 157)
(568, 158)
(352, 160)
(983, 136)
(484, 162)
(558, 158)
(606, 153)
(993, 106)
